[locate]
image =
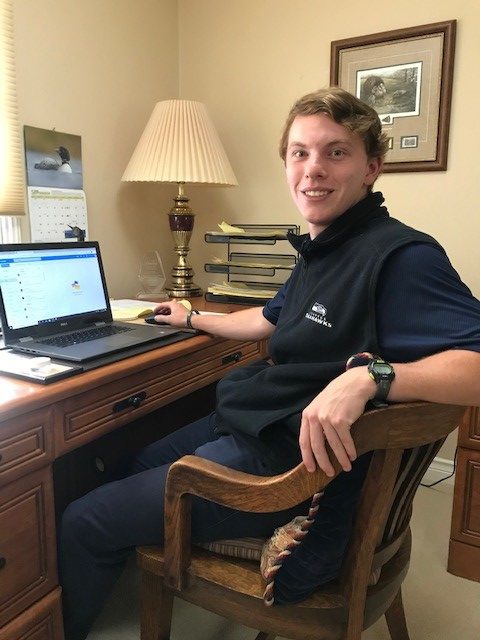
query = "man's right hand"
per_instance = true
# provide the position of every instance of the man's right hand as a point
(172, 312)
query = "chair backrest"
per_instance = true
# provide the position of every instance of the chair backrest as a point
(413, 466)
(382, 521)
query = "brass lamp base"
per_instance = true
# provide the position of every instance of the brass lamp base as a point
(181, 219)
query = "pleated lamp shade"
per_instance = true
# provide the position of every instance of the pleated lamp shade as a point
(180, 144)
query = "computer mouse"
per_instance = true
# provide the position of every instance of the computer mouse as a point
(151, 320)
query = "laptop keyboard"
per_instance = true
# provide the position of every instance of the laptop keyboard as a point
(85, 335)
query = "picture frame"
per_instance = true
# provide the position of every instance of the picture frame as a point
(406, 75)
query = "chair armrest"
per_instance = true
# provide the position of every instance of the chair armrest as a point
(196, 476)
(239, 490)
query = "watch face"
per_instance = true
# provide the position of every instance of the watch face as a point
(383, 368)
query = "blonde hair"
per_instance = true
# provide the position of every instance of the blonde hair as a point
(345, 109)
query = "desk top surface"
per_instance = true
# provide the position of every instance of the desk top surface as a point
(19, 396)
(16, 394)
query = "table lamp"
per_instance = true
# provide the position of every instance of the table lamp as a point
(180, 144)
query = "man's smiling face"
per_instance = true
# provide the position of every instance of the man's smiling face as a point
(327, 169)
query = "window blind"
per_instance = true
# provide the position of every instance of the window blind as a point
(11, 165)
(10, 229)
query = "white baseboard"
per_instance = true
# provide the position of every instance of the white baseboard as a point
(440, 469)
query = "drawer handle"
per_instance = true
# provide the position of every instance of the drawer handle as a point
(136, 401)
(3, 563)
(232, 357)
(133, 402)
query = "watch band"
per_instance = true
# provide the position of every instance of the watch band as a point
(188, 321)
(381, 395)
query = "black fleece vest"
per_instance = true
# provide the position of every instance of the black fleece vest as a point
(328, 315)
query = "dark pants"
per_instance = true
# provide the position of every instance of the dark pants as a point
(100, 530)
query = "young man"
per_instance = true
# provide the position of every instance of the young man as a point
(365, 283)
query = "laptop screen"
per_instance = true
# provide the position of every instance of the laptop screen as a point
(50, 284)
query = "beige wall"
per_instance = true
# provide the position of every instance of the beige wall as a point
(96, 68)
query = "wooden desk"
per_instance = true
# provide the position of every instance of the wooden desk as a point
(40, 425)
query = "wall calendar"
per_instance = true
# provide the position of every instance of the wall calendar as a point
(56, 201)
(57, 215)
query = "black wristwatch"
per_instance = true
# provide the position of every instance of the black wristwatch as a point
(382, 374)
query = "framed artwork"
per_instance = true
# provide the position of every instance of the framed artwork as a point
(406, 75)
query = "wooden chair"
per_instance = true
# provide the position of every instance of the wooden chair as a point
(404, 437)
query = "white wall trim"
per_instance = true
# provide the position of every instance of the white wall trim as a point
(439, 469)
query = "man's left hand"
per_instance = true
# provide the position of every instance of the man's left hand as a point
(329, 417)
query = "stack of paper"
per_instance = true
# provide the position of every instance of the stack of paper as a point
(241, 290)
(255, 265)
(228, 230)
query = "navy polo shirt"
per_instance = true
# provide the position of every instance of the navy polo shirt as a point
(422, 306)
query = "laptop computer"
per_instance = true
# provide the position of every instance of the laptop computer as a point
(54, 302)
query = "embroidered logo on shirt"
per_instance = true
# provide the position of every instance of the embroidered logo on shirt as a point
(318, 314)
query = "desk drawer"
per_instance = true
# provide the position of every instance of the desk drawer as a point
(93, 413)
(27, 543)
(43, 621)
(466, 511)
(26, 444)
(469, 432)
